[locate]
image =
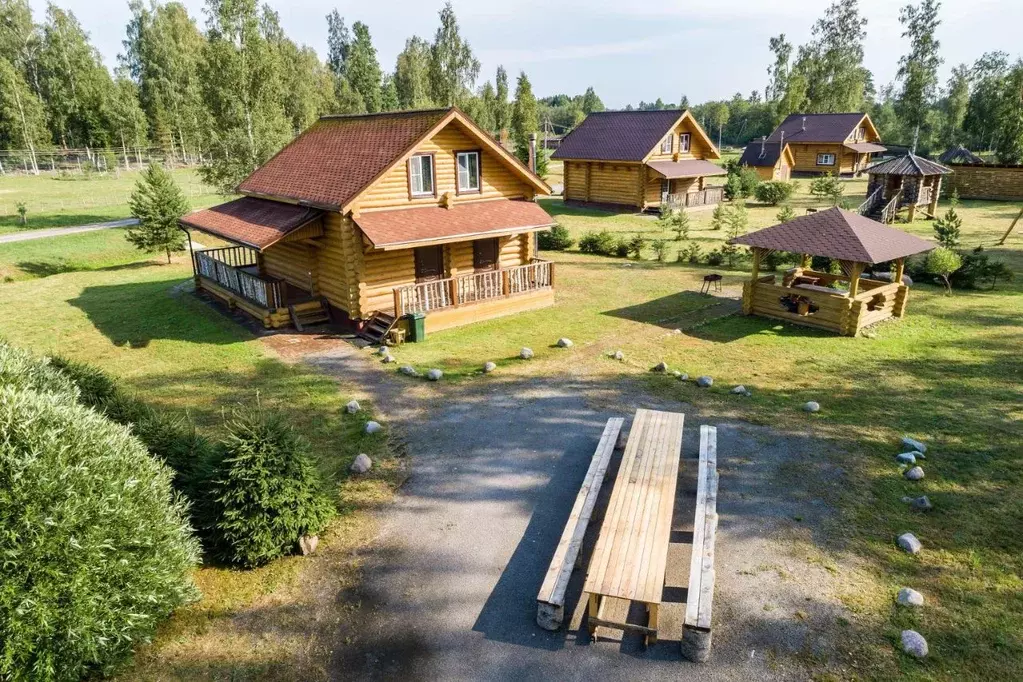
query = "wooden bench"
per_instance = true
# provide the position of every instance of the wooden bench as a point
(696, 631)
(550, 602)
(631, 554)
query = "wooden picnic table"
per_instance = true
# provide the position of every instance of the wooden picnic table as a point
(631, 554)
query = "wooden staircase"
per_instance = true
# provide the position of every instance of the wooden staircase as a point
(308, 313)
(378, 326)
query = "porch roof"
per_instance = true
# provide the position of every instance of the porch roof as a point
(865, 147)
(840, 234)
(691, 168)
(257, 223)
(410, 227)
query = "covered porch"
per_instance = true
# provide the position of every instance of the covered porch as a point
(841, 303)
(682, 184)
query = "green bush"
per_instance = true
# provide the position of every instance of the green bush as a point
(690, 253)
(555, 239)
(786, 214)
(774, 192)
(265, 491)
(621, 248)
(636, 246)
(715, 257)
(602, 243)
(96, 549)
(742, 182)
(20, 369)
(827, 186)
(660, 248)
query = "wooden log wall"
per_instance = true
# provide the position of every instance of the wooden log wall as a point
(984, 181)
(806, 158)
(839, 314)
(340, 263)
(294, 262)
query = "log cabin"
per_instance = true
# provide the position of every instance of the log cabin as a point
(368, 220)
(771, 160)
(842, 144)
(639, 160)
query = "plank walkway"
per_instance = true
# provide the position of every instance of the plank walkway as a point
(630, 557)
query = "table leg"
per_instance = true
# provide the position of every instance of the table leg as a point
(651, 610)
(592, 613)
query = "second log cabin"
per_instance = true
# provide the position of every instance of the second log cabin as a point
(842, 144)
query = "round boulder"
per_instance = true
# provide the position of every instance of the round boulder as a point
(489, 367)
(921, 503)
(564, 343)
(362, 462)
(682, 376)
(906, 458)
(705, 382)
(373, 427)
(526, 353)
(434, 375)
(739, 390)
(811, 406)
(661, 367)
(914, 474)
(408, 370)
(353, 406)
(912, 444)
(618, 355)
(914, 644)
(909, 597)
(388, 358)
(909, 543)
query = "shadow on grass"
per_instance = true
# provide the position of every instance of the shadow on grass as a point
(59, 266)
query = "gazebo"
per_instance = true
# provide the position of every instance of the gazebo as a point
(843, 303)
(908, 181)
(959, 155)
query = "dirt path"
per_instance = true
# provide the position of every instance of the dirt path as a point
(449, 586)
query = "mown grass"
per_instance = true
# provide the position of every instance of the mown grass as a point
(97, 250)
(949, 373)
(53, 201)
(142, 326)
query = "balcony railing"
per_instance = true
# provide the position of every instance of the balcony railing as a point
(703, 197)
(228, 268)
(474, 288)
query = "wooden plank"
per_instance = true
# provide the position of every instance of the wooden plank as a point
(552, 592)
(696, 636)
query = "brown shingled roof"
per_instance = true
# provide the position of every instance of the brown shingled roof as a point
(338, 156)
(617, 135)
(836, 233)
(910, 164)
(759, 153)
(818, 127)
(402, 227)
(688, 168)
(254, 222)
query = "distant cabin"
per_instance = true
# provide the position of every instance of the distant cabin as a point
(639, 160)
(842, 144)
(771, 160)
(366, 219)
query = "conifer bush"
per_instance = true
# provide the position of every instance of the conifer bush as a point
(20, 369)
(265, 491)
(96, 549)
(555, 239)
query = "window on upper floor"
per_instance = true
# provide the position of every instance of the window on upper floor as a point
(861, 134)
(468, 172)
(420, 175)
(683, 143)
(666, 145)
(825, 159)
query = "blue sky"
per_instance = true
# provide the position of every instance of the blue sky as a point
(628, 50)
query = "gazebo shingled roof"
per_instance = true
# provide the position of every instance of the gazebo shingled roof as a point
(840, 234)
(959, 154)
(910, 164)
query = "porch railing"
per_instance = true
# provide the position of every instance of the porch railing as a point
(225, 267)
(473, 288)
(868, 206)
(703, 197)
(890, 209)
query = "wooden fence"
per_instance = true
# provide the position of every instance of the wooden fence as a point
(986, 181)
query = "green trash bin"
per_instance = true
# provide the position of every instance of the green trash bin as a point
(416, 327)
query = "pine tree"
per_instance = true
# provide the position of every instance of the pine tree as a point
(502, 110)
(525, 117)
(158, 203)
(786, 214)
(737, 221)
(947, 228)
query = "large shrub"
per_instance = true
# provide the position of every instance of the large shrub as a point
(265, 491)
(555, 239)
(96, 550)
(774, 192)
(22, 370)
(602, 243)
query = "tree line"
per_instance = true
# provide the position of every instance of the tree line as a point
(980, 106)
(229, 94)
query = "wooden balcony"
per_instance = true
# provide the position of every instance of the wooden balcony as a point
(234, 269)
(704, 197)
(478, 295)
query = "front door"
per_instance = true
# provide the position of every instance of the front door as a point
(484, 254)
(429, 263)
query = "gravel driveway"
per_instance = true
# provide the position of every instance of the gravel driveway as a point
(450, 585)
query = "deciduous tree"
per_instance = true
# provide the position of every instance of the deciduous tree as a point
(453, 66)
(412, 75)
(918, 70)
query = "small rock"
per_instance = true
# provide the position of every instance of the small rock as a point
(362, 463)
(914, 644)
(705, 382)
(914, 474)
(906, 499)
(373, 427)
(909, 542)
(307, 544)
(909, 597)
(811, 406)
(383, 350)
(676, 331)
(408, 370)
(677, 374)
(906, 458)
(739, 390)
(526, 353)
(683, 377)
(389, 359)
(489, 367)
(618, 355)
(921, 503)
(434, 375)
(869, 335)
(565, 343)
(353, 406)
(660, 367)
(908, 442)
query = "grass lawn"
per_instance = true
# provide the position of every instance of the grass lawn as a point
(950, 373)
(137, 323)
(97, 250)
(53, 201)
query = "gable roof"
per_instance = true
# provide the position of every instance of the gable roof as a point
(339, 157)
(819, 127)
(623, 135)
(761, 154)
(837, 233)
(910, 164)
(959, 154)
(253, 222)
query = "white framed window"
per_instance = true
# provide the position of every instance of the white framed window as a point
(683, 143)
(468, 171)
(861, 134)
(420, 175)
(825, 159)
(666, 145)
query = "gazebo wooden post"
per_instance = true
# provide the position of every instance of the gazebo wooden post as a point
(757, 253)
(902, 295)
(900, 269)
(854, 278)
(932, 209)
